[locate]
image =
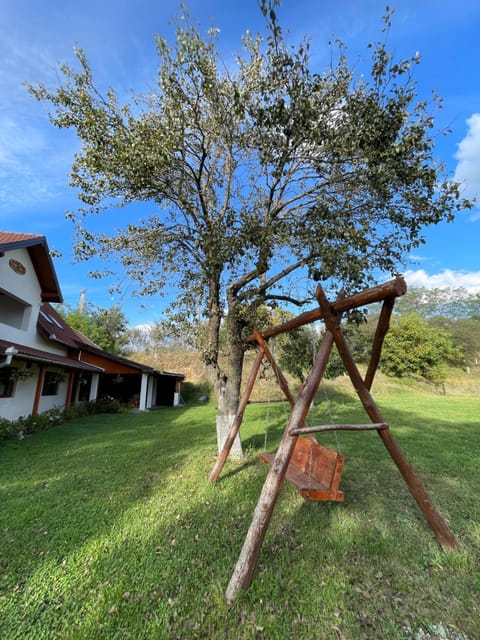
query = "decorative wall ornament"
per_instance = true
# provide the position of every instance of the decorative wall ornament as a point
(17, 266)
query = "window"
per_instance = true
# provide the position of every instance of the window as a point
(14, 311)
(47, 318)
(50, 384)
(6, 382)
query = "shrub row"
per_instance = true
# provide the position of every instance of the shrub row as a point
(28, 425)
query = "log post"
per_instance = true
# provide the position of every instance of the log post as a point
(380, 333)
(247, 561)
(282, 382)
(393, 288)
(415, 485)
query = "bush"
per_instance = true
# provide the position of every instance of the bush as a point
(191, 393)
(105, 405)
(415, 349)
(28, 425)
(75, 411)
(8, 429)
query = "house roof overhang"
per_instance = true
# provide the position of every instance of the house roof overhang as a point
(52, 326)
(39, 253)
(37, 355)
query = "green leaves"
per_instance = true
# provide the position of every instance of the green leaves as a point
(413, 348)
(242, 164)
(105, 327)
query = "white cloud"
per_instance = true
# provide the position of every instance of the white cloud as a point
(444, 280)
(468, 166)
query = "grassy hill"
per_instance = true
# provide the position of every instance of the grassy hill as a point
(459, 382)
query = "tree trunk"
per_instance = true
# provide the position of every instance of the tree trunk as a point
(227, 405)
(226, 383)
(228, 393)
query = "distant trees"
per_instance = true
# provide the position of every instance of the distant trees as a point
(430, 331)
(453, 303)
(107, 328)
(451, 310)
(465, 333)
(413, 348)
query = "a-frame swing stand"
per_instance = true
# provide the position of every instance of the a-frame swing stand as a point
(283, 463)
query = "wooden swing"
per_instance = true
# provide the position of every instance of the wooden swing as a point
(316, 471)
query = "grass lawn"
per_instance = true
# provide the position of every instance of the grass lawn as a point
(110, 530)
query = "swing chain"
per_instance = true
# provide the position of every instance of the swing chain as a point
(268, 374)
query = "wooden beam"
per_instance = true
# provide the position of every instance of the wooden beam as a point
(282, 381)
(380, 333)
(247, 561)
(438, 525)
(370, 426)
(393, 288)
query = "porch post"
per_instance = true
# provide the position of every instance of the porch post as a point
(94, 387)
(68, 397)
(38, 390)
(142, 403)
(176, 393)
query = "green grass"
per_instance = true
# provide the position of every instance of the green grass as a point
(111, 530)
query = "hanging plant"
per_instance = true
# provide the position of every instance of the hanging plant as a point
(20, 374)
(57, 377)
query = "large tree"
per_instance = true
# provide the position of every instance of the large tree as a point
(253, 174)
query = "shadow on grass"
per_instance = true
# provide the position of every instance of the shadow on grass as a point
(441, 440)
(69, 487)
(112, 530)
(233, 472)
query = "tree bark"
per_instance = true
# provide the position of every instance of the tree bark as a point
(227, 382)
(227, 405)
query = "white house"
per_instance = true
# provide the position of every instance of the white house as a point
(44, 363)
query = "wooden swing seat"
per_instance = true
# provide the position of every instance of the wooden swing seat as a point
(315, 470)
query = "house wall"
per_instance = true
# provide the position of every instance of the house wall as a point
(19, 310)
(50, 402)
(23, 290)
(21, 402)
(23, 287)
(109, 366)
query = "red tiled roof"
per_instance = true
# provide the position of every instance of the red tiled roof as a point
(6, 237)
(52, 324)
(40, 256)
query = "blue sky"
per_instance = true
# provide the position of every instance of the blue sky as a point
(118, 37)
